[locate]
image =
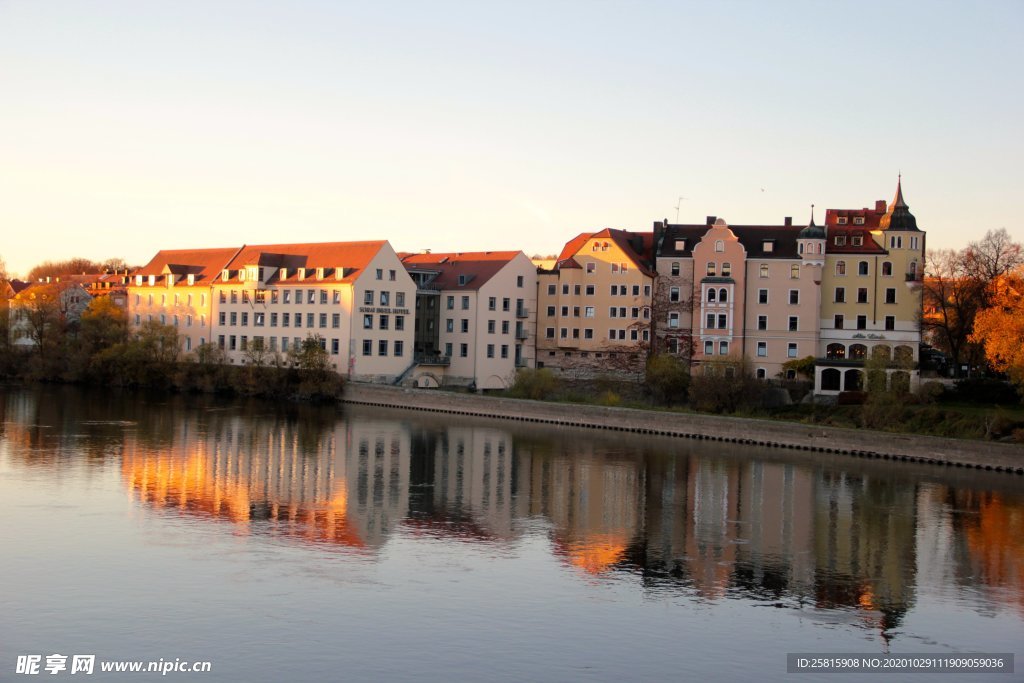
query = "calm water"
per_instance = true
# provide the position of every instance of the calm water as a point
(288, 544)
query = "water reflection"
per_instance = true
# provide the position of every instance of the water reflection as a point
(703, 522)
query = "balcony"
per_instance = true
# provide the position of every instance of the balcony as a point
(522, 334)
(521, 312)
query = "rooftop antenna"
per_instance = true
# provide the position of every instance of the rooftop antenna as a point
(679, 204)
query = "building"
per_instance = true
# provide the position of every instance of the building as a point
(176, 288)
(871, 295)
(741, 292)
(40, 311)
(354, 297)
(594, 306)
(475, 317)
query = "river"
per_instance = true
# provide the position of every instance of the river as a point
(301, 543)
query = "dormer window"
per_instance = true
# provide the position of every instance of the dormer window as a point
(152, 280)
(840, 240)
(859, 220)
(225, 275)
(241, 274)
(841, 220)
(319, 273)
(680, 245)
(138, 280)
(462, 280)
(169, 279)
(191, 279)
(767, 246)
(302, 273)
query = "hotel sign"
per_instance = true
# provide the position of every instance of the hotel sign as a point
(372, 309)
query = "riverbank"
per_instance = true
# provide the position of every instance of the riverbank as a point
(997, 457)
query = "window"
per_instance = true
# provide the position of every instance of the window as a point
(565, 290)
(505, 304)
(463, 350)
(858, 220)
(464, 325)
(726, 269)
(762, 296)
(588, 333)
(762, 349)
(838, 322)
(309, 319)
(709, 348)
(791, 350)
(709, 320)
(565, 311)
(857, 240)
(451, 303)
(336, 320)
(385, 298)
(380, 273)
(273, 319)
(862, 295)
(767, 246)
(763, 270)
(400, 299)
(449, 325)
(840, 240)
(465, 303)
(551, 311)
(323, 296)
(890, 295)
(323, 320)
(490, 350)
(794, 297)
(886, 268)
(384, 322)
(334, 347)
(259, 318)
(862, 322)
(575, 311)
(286, 297)
(711, 295)
(675, 268)
(285, 319)
(895, 241)
(913, 242)
(590, 290)
(504, 350)
(673, 294)
(723, 348)
(722, 324)
(549, 333)
(223, 318)
(399, 323)
(448, 349)
(591, 267)
(673, 320)
(367, 297)
(245, 319)
(504, 327)
(310, 296)
(588, 312)
(762, 322)
(382, 347)
(234, 318)
(234, 297)
(723, 295)
(712, 268)
(890, 322)
(552, 290)
(840, 267)
(840, 295)
(862, 268)
(719, 246)
(794, 271)
(491, 327)
(794, 323)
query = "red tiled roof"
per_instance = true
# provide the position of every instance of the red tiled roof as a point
(867, 246)
(353, 257)
(622, 238)
(205, 264)
(475, 268)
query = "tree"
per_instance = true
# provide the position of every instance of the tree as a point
(999, 329)
(667, 378)
(256, 353)
(103, 325)
(993, 256)
(53, 269)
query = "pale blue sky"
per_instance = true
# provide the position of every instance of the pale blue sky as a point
(127, 127)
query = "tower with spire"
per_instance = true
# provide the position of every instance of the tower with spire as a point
(811, 243)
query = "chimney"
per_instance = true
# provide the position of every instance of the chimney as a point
(788, 220)
(711, 220)
(880, 205)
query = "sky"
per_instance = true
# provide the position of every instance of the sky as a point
(127, 127)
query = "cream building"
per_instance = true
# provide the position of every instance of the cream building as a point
(594, 307)
(476, 317)
(871, 295)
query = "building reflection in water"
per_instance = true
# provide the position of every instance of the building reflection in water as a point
(695, 520)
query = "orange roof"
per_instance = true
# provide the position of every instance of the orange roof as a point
(622, 238)
(353, 257)
(472, 268)
(205, 264)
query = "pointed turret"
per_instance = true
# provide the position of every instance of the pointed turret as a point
(811, 242)
(898, 217)
(812, 231)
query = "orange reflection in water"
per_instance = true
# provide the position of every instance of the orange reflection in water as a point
(996, 543)
(595, 554)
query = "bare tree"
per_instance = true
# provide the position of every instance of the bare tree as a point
(993, 256)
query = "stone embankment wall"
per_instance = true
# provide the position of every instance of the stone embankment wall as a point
(855, 442)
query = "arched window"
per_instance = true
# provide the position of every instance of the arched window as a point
(761, 373)
(886, 268)
(881, 351)
(858, 351)
(764, 270)
(719, 245)
(801, 247)
(840, 267)
(913, 270)
(852, 380)
(862, 268)
(835, 351)
(903, 354)
(726, 269)
(711, 295)
(830, 380)
(723, 295)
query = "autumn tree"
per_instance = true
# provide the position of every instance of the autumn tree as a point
(999, 329)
